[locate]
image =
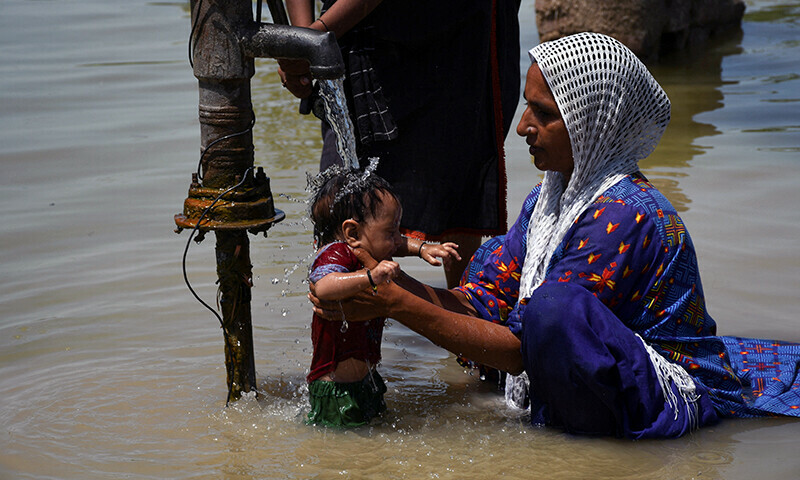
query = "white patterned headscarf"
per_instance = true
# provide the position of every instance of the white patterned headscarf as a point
(615, 113)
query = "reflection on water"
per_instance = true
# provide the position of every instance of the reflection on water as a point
(692, 81)
(109, 368)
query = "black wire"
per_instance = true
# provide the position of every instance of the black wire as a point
(191, 32)
(189, 241)
(186, 276)
(206, 150)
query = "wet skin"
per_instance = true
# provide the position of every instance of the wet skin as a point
(543, 127)
(380, 236)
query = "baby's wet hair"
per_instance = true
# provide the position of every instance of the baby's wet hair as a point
(342, 196)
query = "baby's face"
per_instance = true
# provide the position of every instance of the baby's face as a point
(380, 235)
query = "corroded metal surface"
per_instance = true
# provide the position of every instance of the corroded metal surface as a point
(249, 207)
(235, 274)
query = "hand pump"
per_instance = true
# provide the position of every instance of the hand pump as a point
(225, 40)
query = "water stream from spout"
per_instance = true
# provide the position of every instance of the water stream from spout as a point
(332, 92)
(336, 112)
(338, 117)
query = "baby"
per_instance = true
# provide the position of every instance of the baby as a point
(353, 210)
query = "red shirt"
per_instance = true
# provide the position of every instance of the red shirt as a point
(360, 340)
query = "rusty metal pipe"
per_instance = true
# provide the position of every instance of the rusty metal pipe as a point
(283, 41)
(235, 274)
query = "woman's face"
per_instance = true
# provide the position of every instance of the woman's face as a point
(543, 127)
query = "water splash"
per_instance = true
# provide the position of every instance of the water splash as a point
(332, 92)
(288, 271)
(355, 180)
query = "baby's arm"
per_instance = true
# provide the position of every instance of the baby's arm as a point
(340, 285)
(430, 252)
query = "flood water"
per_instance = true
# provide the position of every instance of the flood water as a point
(110, 369)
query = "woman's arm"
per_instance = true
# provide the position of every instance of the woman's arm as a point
(444, 317)
(301, 12)
(339, 19)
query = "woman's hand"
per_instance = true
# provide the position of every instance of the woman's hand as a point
(295, 77)
(365, 258)
(359, 308)
(439, 315)
(448, 252)
(364, 305)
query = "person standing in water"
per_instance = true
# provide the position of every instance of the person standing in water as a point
(351, 211)
(432, 88)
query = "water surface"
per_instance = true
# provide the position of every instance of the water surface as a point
(110, 369)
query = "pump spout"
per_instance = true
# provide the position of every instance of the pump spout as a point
(282, 41)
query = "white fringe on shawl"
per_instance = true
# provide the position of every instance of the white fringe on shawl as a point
(669, 373)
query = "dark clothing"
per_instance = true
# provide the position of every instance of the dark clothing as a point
(437, 139)
(592, 375)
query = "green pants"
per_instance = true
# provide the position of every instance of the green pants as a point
(346, 405)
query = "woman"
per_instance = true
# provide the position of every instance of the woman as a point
(432, 88)
(594, 292)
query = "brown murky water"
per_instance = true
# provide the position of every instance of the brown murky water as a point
(110, 369)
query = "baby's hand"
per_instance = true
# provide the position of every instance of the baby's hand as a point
(385, 271)
(446, 251)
